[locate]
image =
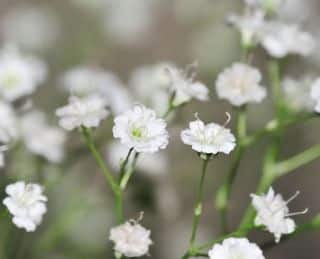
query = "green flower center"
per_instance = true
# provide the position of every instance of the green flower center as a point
(136, 132)
(10, 81)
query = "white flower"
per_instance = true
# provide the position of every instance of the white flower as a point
(151, 84)
(185, 88)
(8, 123)
(86, 112)
(131, 239)
(236, 248)
(273, 213)
(84, 81)
(240, 84)
(42, 139)
(26, 203)
(297, 93)
(281, 39)
(19, 75)
(140, 129)
(315, 94)
(249, 26)
(209, 138)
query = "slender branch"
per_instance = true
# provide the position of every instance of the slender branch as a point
(127, 175)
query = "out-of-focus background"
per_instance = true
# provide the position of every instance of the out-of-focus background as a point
(121, 36)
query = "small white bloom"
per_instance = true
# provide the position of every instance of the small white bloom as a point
(273, 213)
(140, 129)
(19, 75)
(86, 112)
(131, 239)
(26, 203)
(297, 93)
(240, 84)
(8, 123)
(84, 81)
(232, 248)
(42, 139)
(281, 39)
(209, 138)
(184, 87)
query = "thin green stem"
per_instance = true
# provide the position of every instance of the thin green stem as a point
(124, 163)
(128, 173)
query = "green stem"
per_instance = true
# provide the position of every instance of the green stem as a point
(124, 163)
(128, 173)
(198, 206)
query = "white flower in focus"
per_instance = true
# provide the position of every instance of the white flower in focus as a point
(208, 138)
(86, 112)
(26, 203)
(131, 239)
(236, 248)
(8, 123)
(184, 87)
(84, 81)
(273, 213)
(42, 139)
(140, 129)
(240, 84)
(297, 93)
(150, 85)
(280, 40)
(249, 26)
(315, 94)
(19, 75)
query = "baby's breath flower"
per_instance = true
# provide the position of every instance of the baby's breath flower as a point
(140, 129)
(19, 75)
(281, 39)
(131, 239)
(42, 139)
(8, 123)
(209, 138)
(273, 213)
(184, 88)
(232, 248)
(87, 112)
(240, 84)
(26, 203)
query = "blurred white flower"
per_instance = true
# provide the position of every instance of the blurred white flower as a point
(42, 139)
(208, 138)
(240, 84)
(86, 112)
(8, 123)
(297, 93)
(281, 39)
(140, 129)
(30, 27)
(184, 87)
(232, 248)
(151, 164)
(315, 94)
(131, 239)
(84, 81)
(19, 75)
(26, 203)
(273, 213)
(249, 26)
(151, 84)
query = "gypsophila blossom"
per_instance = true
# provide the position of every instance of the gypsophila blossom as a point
(281, 39)
(8, 123)
(41, 138)
(139, 128)
(87, 112)
(315, 94)
(273, 213)
(236, 248)
(240, 84)
(19, 75)
(297, 93)
(184, 87)
(84, 81)
(26, 203)
(208, 138)
(131, 239)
